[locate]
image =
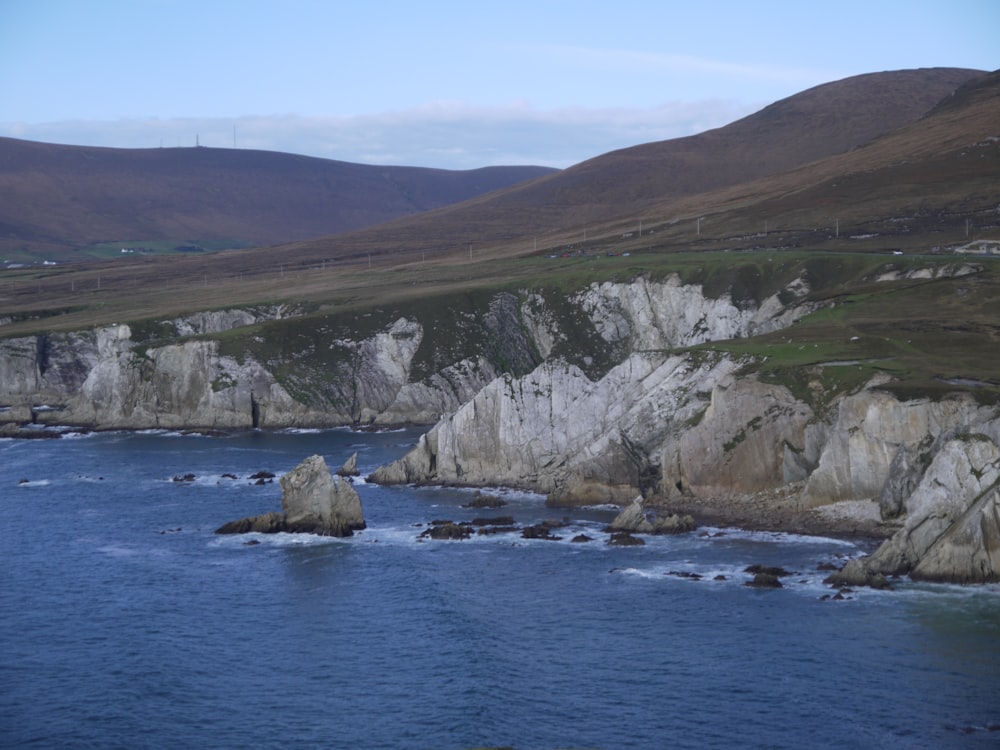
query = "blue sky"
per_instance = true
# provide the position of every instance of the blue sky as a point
(454, 85)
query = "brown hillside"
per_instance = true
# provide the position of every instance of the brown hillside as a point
(819, 122)
(826, 120)
(54, 199)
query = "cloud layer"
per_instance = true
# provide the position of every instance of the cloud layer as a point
(446, 135)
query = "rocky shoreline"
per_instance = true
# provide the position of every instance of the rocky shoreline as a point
(782, 509)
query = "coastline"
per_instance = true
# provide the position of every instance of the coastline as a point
(780, 509)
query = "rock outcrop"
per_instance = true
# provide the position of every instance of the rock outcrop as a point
(313, 502)
(951, 530)
(633, 518)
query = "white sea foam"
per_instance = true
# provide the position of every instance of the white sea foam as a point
(35, 483)
(771, 537)
(75, 434)
(281, 539)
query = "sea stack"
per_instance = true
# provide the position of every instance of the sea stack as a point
(313, 501)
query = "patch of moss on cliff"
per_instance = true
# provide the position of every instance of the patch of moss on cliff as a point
(579, 342)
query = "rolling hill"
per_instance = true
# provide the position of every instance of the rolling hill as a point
(59, 202)
(665, 181)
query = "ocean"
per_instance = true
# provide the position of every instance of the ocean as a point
(125, 622)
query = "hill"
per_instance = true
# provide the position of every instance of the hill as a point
(63, 202)
(661, 182)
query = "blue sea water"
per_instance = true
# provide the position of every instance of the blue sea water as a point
(126, 623)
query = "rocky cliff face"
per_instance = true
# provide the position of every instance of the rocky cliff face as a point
(586, 397)
(311, 371)
(586, 433)
(105, 378)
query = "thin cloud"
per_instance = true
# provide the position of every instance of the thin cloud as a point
(446, 135)
(647, 63)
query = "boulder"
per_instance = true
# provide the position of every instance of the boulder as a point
(858, 572)
(674, 524)
(632, 519)
(350, 467)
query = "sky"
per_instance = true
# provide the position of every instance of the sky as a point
(452, 85)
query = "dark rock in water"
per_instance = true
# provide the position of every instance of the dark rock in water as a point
(580, 538)
(446, 530)
(757, 568)
(266, 523)
(184, 478)
(489, 530)
(498, 521)
(262, 475)
(858, 573)
(482, 500)
(625, 539)
(540, 531)
(25, 433)
(720, 577)
(314, 502)
(685, 574)
(827, 566)
(227, 475)
(764, 581)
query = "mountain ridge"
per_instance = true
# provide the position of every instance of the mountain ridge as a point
(57, 200)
